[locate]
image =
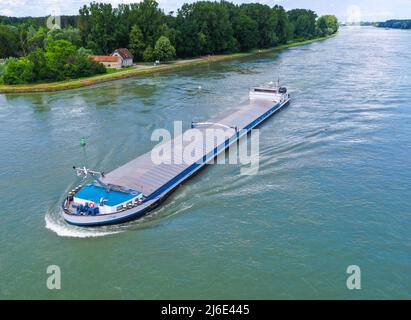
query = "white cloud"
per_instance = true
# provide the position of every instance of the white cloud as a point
(13, 3)
(6, 12)
(383, 14)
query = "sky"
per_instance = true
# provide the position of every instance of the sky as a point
(351, 10)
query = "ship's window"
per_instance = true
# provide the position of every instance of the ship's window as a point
(119, 208)
(265, 90)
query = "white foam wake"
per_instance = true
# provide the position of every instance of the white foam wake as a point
(63, 229)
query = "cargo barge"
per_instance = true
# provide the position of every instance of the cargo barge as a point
(132, 190)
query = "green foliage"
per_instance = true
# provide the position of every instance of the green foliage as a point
(163, 50)
(304, 22)
(136, 45)
(327, 25)
(148, 54)
(82, 66)
(282, 28)
(169, 32)
(40, 69)
(2, 69)
(104, 28)
(208, 22)
(58, 61)
(69, 34)
(18, 71)
(98, 27)
(36, 39)
(66, 21)
(64, 61)
(149, 17)
(396, 24)
(246, 32)
(266, 21)
(85, 51)
(9, 41)
(59, 57)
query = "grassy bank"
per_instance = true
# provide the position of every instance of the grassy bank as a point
(133, 72)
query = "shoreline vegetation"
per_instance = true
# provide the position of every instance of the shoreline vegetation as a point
(136, 71)
(395, 24)
(79, 51)
(389, 24)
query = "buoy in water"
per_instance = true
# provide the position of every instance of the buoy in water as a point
(83, 142)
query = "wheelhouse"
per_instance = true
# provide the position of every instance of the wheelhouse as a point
(271, 92)
(94, 199)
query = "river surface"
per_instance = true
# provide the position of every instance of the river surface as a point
(333, 187)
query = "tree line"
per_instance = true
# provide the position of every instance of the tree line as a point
(37, 54)
(395, 24)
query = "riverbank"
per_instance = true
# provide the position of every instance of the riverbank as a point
(141, 69)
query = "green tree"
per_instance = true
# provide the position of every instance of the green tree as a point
(9, 39)
(246, 32)
(82, 66)
(327, 24)
(164, 51)
(59, 54)
(169, 32)
(40, 69)
(396, 24)
(85, 51)
(266, 21)
(149, 17)
(136, 44)
(148, 54)
(36, 39)
(23, 31)
(212, 19)
(2, 67)
(282, 30)
(304, 22)
(99, 25)
(70, 34)
(18, 71)
(201, 41)
(71, 63)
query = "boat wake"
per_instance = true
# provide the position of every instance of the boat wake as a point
(166, 212)
(63, 229)
(173, 206)
(56, 223)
